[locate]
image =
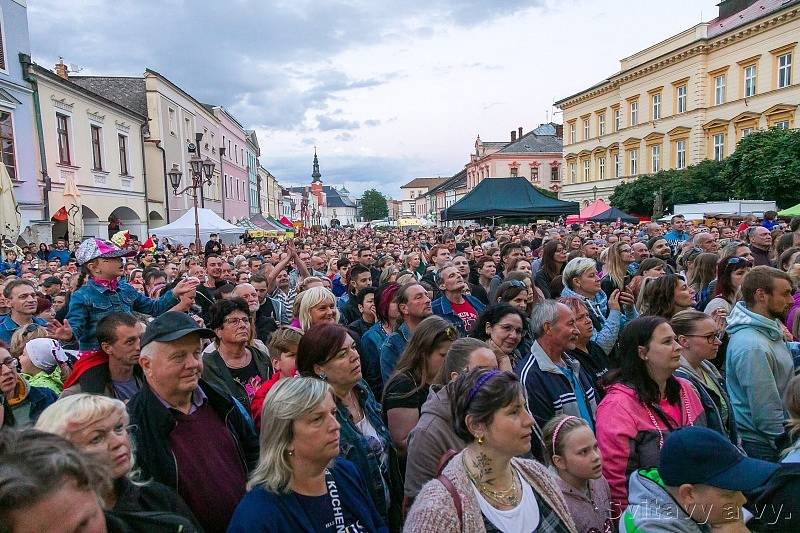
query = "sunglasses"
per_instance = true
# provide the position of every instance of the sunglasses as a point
(450, 333)
(517, 284)
(739, 260)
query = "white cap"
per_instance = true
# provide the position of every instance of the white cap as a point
(45, 353)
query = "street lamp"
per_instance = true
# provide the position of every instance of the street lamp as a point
(594, 192)
(202, 172)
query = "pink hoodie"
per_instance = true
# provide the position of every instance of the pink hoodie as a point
(629, 440)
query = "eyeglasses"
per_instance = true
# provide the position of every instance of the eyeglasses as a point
(710, 338)
(10, 362)
(237, 320)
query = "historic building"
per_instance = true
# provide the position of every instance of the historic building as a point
(92, 149)
(688, 98)
(535, 155)
(233, 163)
(252, 153)
(413, 190)
(18, 139)
(317, 204)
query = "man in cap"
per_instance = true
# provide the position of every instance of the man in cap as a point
(186, 429)
(697, 487)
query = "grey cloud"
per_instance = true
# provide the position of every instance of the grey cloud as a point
(372, 122)
(327, 123)
(344, 136)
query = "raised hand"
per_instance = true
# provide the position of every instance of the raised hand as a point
(60, 331)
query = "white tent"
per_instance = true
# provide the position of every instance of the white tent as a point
(182, 230)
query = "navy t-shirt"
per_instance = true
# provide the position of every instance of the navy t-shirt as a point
(320, 512)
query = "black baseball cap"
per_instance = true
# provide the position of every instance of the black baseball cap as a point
(700, 456)
(171, 326)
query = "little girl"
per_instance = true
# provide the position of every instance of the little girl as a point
(572, 453)
(101, 291)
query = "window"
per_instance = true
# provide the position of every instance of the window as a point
(229, 149)
(634, 113)
(513, 172)
(172, 121)
(782, 125)
(413, 209)
(601, 168)
(534, 173)
(585, 129)
(2, 51)
(573, 173)
(719, 146)
(236, 152)
(573, 136)
(7, 143)
(634, 156)
(554, 174)
(750, 81)
(601, 124)
(784, 70)
(747, 131)
(655, 158)
(63, 139)
(656, 106)
(617, 119)
(97, 149)
(682, 99)
(680, 154)
(123, 154)
(719, 89)
(617, 165)
(188, 127)
(586, 169)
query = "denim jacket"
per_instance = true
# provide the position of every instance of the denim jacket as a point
(92, 302)
(356, 448)
(391, 350)
(441, 307)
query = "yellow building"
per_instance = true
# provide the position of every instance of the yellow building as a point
(686, 99)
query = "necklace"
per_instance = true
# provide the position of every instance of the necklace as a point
(510, 497)
(353, 407)
(687, 408)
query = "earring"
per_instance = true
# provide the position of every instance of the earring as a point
(323, 376)
(480, 441)
(291, 453)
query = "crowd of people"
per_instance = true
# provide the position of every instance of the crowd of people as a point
(555, 378)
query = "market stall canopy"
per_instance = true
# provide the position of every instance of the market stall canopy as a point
(266, 224)
(286, 222)
(507, 197)
(793, 211)
(594, 208)
(182, 230)
(612, 214)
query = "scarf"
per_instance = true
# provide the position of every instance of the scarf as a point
(20, 393)
(87, 360)
(109, 284)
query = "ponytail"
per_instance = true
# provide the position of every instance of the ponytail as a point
(84, 273)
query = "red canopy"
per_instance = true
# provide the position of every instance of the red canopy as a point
(593, 209)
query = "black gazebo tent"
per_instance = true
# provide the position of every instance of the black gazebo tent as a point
(507, 197)
(612, 215)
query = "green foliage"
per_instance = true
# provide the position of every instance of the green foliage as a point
(373, 205)
(697, 183)
(546, 192)
(766, 166)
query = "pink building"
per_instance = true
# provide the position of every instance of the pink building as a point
(233, 165)
(536, 155)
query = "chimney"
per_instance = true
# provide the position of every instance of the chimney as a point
(519, 132)
(61, 69)
(513, 136)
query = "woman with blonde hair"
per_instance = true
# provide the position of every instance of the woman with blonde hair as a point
(317, 306)
(299, 483)
(24, 334)
(98, 427)
(620, 257)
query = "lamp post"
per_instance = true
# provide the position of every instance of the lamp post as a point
(202, 171)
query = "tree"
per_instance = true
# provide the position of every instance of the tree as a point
(766, 166)
(546, 192)
(373, 205)
(698, 183)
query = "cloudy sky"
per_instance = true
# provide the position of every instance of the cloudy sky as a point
(386, 90)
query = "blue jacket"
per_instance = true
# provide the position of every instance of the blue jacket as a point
(11, 265)
(39, 398)
(92, 302)
(392, 349)
(441, 307)
(758, 367)
(337, 287)
(61, 255)
(263, 511)
(371, 343)
(673, 236)
(8, 327)
(607, 324)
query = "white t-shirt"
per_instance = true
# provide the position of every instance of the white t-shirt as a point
(523, 518)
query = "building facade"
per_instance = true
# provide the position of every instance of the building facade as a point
(233, 161)
(413, 190)
(252, 153)
(92, 147)
(686, 99)
(536, 155)
(270, 193)
(18, 139)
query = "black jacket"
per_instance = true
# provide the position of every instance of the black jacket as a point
(152, 423)
(150, 497)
